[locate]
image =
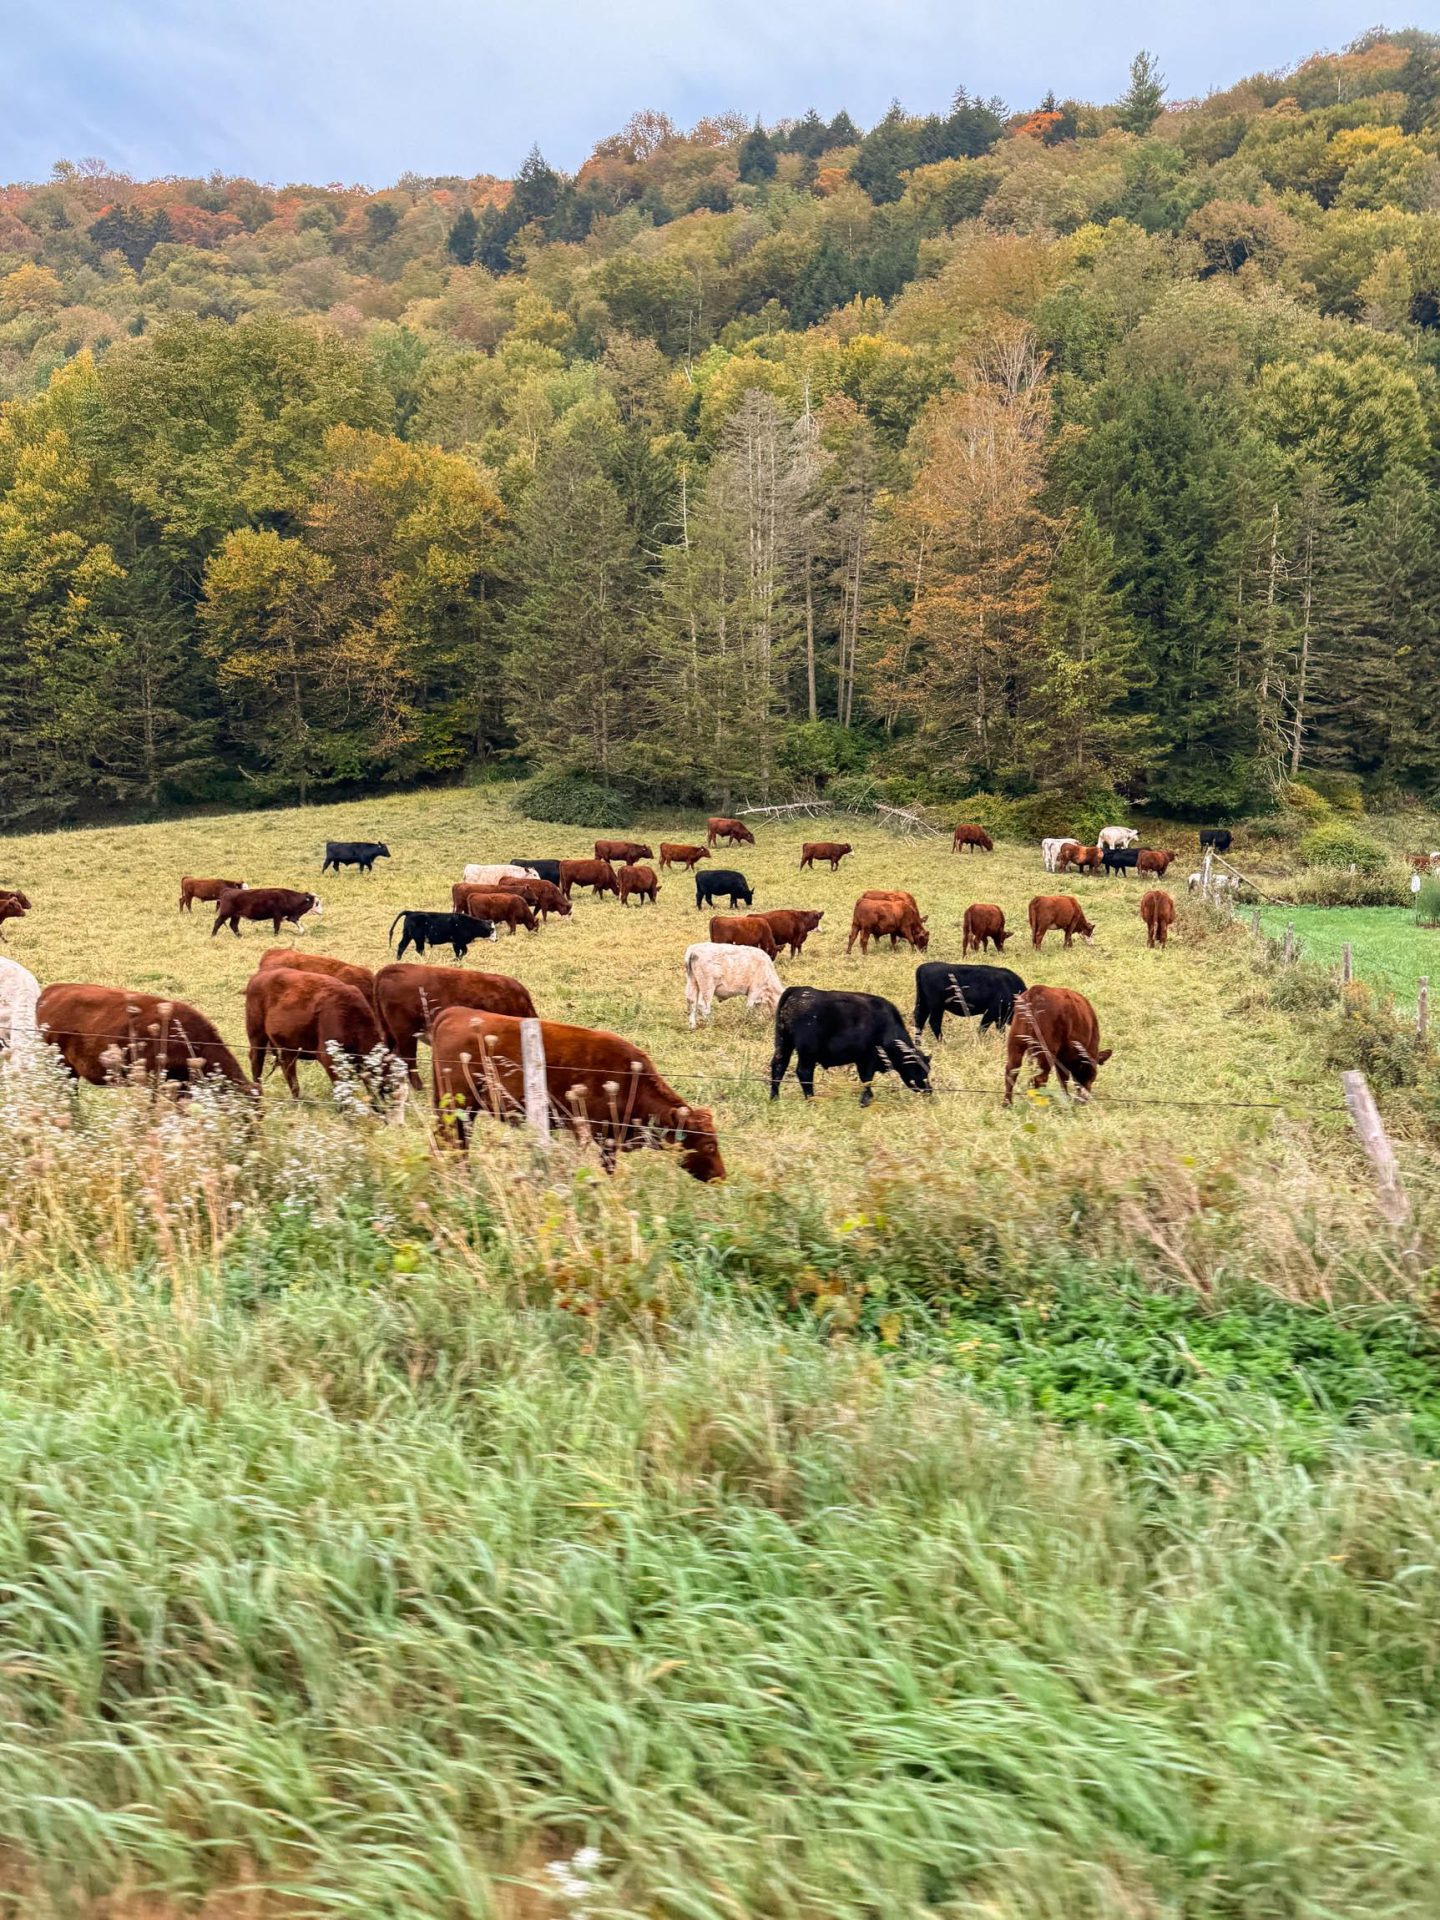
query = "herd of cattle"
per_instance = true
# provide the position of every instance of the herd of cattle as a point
(366, 1026)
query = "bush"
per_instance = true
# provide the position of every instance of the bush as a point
(575, 800)
(1330, 887)
(818, 750)
(1427, 900)
(1338, 844)
(1300, 797)
(1342, 791)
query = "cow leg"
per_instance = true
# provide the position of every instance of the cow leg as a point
(866, 1070)
(288, 1066)
(779, 1064)
(805, 1074)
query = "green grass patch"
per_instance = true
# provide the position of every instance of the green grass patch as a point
(1390, 951)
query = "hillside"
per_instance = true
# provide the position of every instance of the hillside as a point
(1055, 453)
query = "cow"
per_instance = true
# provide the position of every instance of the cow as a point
(458, 931)
(967, 834)
(718, 827)
(1067, 855)
(192, 888)
(675, 853)
(354, 853)
(361, 978)
(792, 926)
(496, 904)
(640, 881)
(1119, 859)
(1157, 910)
(104, 1034)
(709, 887)
(716, 972)
(876, 915)
(275, 904)
(600, 1087)
(743, 930)
(626, 852)
(982, 924)
(941, 988)
(832, 850)
(542, 869)
(408, 997)
(1220, 883)
(1050, 849)
(1149, 860)
(294, 1015)
(1220, 838)
(1091, 859)
(1061, 912)
(1055, 1027)
(836, 1029)
(19, 993)
(13, 906)
(540, 895)
(491, 876)
(598, 874)
(1117, 837)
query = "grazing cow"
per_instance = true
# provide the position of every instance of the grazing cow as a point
(717, 827)
(941, 988)
(1219, 883)
(1050, 849)
(674, 853)
(105, 1033)
(600, 1087)
(544, 898)
(1220, 838)
(641, 882)
(1119, 859)
(275, 904)
(832, 850)
(967, 834)
(361, 978)
(458, 931)
(497, 904)
(1055, 1027)
(293, 1015)
(1067, 855)
(491, 876)
(792, 926)
(19, 993)
(13, 906)
(716, 972)
(1063, 913)
(354, 853)
(543, 869)
(709, 887)
(860, 1030)
(193, 889)
(1148, 860)
(982, 924)
(598, 874)
(1157, 910)
(876, 915)
(408, 997)
(743, 930)
(1117, 837)
(626, 852)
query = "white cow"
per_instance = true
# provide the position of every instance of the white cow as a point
(487, 876)
(1117, 837)
(1219, 883)
(715, 972)
(1051, 849)
(19, 992)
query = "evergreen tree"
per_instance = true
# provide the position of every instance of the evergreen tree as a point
(756, 157)
(1139, 106)
(463, 237)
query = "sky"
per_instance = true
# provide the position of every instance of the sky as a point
(317, 90)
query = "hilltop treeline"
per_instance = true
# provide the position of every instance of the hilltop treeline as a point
(1061, 452)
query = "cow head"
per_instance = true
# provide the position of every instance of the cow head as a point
(922, 939)
(313, 904)
(1083, 1068)
(382, 852)
(810, 919)
(700, 1155)
(911, 1064)
(1001, 938)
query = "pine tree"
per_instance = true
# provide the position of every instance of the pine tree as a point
(756, 157)
(1139, 106)
(464, 235)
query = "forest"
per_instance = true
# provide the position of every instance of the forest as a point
(1055, 454)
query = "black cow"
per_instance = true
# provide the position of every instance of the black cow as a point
(545, 869)
(1220, 838)
(722, 880)
(1120, 859)
(354, 853)
(941, 988)
(458, 931)
(859, 1030)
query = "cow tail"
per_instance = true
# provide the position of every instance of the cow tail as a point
(393, 924)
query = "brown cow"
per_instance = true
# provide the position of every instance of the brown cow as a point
(103, 1033)
(1056, 1028)
(361, 978)
(600, 1087)
(296, 1015)
(1157, 910)
(743, 930)
(832, 850)
(879, 914)
(625, 851)
(640, 881)
(967, 834)
(982, 924)
(498, 904)
(674, 853)
(408, 996)
(13, 906)
(598, 874)
(543, 896)
(717, 827)
(1149, 861)
(275, 904)
(193, 889)
(792, 926)
(1091, 859)
(1067, 854)
(1060, 911)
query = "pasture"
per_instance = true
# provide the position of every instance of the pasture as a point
(1391, 951)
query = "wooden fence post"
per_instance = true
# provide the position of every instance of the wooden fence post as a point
(1394, 1201)
(1422, 1011)
(1347, 965)
(1255, 926)
(1205, 876)
(537, 1095)
(1289, 943)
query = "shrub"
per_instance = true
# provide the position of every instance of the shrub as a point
(1342, 791)
(1300, 797)
(1427, 900)
(818, 750)
(1330, 887)
(575, 800)
(1338, 844)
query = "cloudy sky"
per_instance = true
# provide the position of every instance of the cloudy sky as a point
(362, 91)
